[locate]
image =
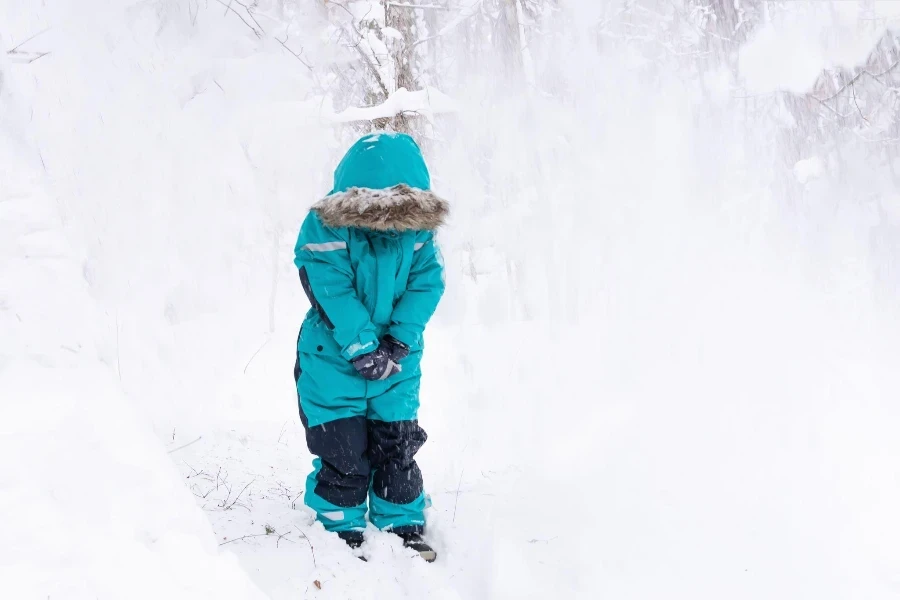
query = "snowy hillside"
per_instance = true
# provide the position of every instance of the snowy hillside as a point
(664, 367)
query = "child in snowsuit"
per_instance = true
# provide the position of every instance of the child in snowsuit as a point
(373, 275)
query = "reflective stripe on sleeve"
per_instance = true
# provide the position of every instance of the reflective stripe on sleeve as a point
(325, 247)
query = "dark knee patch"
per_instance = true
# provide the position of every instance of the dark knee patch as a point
(342, 447)
(392, 450)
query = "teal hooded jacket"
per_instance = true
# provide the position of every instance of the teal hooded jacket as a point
(370, 266)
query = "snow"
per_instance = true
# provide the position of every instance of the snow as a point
(816, 36)
(665, 365)
(467, 8)
(808, 169)
(390, 32)
(366, 10)
(90, 505)
(426, 102)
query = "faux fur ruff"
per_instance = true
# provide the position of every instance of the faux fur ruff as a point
(396, 209)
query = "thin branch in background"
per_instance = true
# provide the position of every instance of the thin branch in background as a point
(822, 102)
(228, 7)
(876, 77)
(373, 68)
(856, 102)
(294, 54)
(249, 10)
(186, 445)
(883, 73)
(362, 54)
(418, 6)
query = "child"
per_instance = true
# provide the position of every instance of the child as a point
(373, 275)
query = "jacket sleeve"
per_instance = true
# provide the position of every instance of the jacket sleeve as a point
(423, 292)
(323, 257)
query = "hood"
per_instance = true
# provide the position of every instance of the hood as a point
(383, 184)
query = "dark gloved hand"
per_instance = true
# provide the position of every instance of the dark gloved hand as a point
(377, 365)
(398, 349)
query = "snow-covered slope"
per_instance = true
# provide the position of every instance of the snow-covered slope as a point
(90, 505)
(657, 372)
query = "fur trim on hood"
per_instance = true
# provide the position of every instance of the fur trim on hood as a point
(399, 208)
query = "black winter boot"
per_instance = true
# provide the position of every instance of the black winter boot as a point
(414, 540)
(354, 539)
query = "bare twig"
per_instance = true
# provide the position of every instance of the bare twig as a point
(244, 537)
(255, 353)
(249, 10)
(230, 506)
(27, 57)
(204, 496)
(294, 54)
(228, 7)
(195, 471)
(856, 78)
(418, 6)
(15, 48)
(311, 549)
(822, 102)
(186, 445)
(363, 55)
(856, 102)
(459, 485)
(227, 496)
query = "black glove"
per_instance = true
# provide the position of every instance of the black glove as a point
(377, 365)
(398, 349)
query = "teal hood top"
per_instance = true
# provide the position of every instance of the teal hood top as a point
(382, 184)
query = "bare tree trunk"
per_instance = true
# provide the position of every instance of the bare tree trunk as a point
(402, 54)
(403, 20)
(509, 40)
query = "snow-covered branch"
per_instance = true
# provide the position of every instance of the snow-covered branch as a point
(427, 102)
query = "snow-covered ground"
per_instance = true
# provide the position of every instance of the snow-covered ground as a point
(655, 374)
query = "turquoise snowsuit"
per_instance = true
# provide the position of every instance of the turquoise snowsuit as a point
(370, 267)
